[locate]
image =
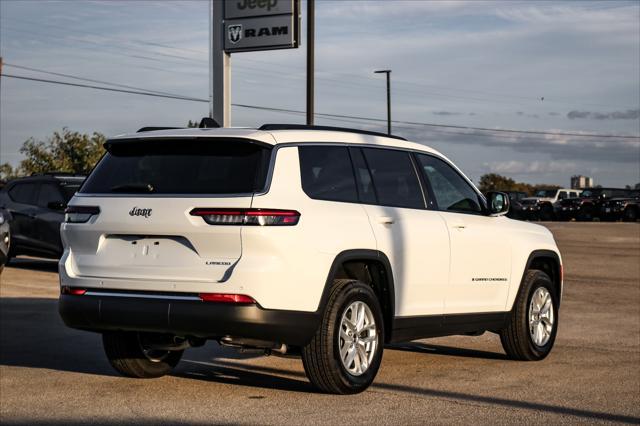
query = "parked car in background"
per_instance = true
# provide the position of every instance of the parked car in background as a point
(35, 207)
(4, 238)
(515, 199)
(541, 205)
(621, 208)
(589, 205)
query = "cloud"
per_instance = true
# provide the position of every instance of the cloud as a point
(558, 147)
(530, 167)
(446, 113)
(630, 114)
(554, 114)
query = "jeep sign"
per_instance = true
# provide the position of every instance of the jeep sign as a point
(234, 9)
(263, 33)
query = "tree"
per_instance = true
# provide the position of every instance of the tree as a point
(496, 182)
(65, 151)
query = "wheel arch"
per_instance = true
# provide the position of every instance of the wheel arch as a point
(373, 268)
(547, 261)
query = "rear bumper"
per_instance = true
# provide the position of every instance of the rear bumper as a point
(187, 318)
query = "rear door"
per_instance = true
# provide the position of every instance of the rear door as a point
(146, 191)
(415, 239)
(22, 207)
(49, 214)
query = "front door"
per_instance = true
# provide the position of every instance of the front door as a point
(480, 267)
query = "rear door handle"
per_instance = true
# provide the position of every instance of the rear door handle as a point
(386, 220)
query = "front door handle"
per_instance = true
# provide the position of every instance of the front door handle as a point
(386, 220)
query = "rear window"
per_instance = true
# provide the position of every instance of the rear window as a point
(327, 173)
(201, 166)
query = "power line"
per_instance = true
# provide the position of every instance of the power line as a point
(327, 115)
(90, 80)
(110, 89)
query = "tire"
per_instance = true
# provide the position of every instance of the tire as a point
(516, 338)
(546, 213)
(321, 357)
(585, 215)
(630, 214)
(126, 355)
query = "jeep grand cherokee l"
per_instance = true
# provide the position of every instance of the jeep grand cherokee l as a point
(312, 241)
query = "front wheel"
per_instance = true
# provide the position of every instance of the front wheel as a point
(131, 356)
(533, 323)
(345, 353)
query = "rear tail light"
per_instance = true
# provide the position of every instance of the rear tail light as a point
(80, 214)
(226, 298)
(74, 291)
(256, 217)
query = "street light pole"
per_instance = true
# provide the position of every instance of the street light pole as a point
(388, 73)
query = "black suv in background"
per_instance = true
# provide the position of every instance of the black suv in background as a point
(515, 204)
(590, 204)
(35, 209)
(621, 208)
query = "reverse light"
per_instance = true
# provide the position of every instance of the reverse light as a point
(80, 214)
(252, 217)
(74, 291)
(226, 298)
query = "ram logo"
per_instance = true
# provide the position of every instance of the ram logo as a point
(235, 33)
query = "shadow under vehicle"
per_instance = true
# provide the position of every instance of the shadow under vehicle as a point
(590, 204)
(35, 209)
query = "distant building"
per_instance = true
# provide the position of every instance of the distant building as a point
(579, 182)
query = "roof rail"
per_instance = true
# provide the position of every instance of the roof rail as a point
(152, 128)
(70, 174)
(328, 128)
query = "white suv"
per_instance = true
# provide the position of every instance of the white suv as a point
(315, 241)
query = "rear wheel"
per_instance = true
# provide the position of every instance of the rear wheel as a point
(345, 353)
(130, 356)
(531, 329)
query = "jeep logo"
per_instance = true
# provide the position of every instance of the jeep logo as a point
(140, 212)
(261, 4)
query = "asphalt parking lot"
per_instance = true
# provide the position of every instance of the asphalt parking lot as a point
(50, 374)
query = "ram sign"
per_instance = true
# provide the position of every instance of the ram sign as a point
(261, 25)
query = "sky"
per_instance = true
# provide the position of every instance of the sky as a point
(555, 67)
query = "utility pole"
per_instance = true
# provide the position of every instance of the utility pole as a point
(310, 60)
(388, 73)
(220, 66)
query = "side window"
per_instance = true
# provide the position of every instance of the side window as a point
(394, 178)
(451, 191)
(562, 195)
(327, 173)
(24, 193)
(366, 192)
(49, 193)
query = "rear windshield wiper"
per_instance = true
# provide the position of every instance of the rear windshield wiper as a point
(133, 187)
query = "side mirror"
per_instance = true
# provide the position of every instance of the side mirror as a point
(56, 205)
(498, 203)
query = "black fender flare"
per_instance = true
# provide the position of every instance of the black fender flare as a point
(557, 273)
(364, 255)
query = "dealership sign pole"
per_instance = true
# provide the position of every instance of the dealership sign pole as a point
(246, 26)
